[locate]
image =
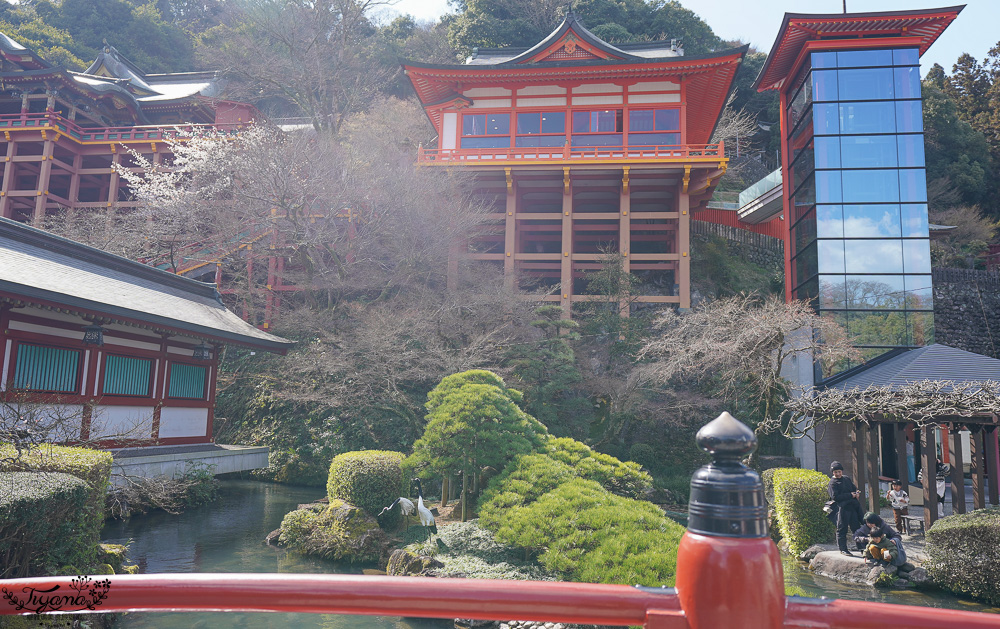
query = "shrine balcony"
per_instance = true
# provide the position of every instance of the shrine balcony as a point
(682, 153)
(104, 135)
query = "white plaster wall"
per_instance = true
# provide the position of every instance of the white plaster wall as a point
(110, 340)
(598, 100)
(491, 102)
(597, 88)
(44, 329)
(449, 131)
(64, 419)
(478, 92)
(654, 98)
(540, 89)
(655, 86)
(183, 422)
(130, 422)
(541, 102)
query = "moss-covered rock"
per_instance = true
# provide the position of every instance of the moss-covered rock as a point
(405, 563)
(113, 555)
(340, 532)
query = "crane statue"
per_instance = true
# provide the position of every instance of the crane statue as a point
(425, 515)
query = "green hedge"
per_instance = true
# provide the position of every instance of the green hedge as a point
(92, 466)
(963, 552)
(41, 516)
(798, 500)
(369, 479)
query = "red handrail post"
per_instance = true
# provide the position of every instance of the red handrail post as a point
(729, 572)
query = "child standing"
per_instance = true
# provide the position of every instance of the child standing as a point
(900, 501)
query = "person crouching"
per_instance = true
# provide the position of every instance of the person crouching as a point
(880, 550)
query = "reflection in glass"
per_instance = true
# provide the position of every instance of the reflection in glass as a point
(912, 184)
(909, 116)
(825, 118)
(868, 151)
(827, 152)
(861, 58)
(807, 291)
(865, 118)
(829, 221)
(911, 150)
(877, 328)
(919, 292)
(831, 256)
(864, 186)
(874, 292)
(864, 84)
(831, 292)
(907, 82)
(905, 57)
(914, 220)
(806, 193)
(828, 188)
(824, 60)
(804, 264)
(920, 328)
(802, 168)
(804, 232)
(824, 85)
(871, 221)
(917, 256)
(873, 256)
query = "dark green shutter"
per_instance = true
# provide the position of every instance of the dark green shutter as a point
(127, 376)
(187, 381)
(42, 368)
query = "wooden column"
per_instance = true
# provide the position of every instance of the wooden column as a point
(899, 446)
(42, 189)
(566, 266)
(74, 180)
(957, 470)
(684, 248)
(992, 465)
(114, 181)
(625, 233)
(858, 439)
(872, 459)
(8, 175)
(509, 246)
(977, 467)
(928, 465)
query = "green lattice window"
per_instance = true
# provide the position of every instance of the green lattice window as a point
(187, 381)
(124, 375)
(41, 368)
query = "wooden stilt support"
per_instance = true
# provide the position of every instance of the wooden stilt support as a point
(509, 232)
(858, 437)
(992, 464)
(977, 467)
(957, 470)
(899, 448)
(684, 248)
(871, 468)
(566, 262)
(928, 466)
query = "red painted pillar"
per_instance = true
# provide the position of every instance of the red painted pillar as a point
(729, 573)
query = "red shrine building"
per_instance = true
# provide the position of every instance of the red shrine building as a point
(581, 148)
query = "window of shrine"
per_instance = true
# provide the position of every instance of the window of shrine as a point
(597, 128)
(546, 128)
(485, 131)
(650, 127)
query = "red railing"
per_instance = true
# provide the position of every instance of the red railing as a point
(139, 133)
(571, 154)
(459, 598)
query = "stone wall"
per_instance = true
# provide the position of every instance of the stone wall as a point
(762, 250)
(967, 310)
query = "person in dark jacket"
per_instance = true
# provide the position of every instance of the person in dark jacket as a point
(875, 526)
(846, 508)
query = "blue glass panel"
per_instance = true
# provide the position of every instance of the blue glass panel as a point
(668, 119)
(41, 368)
(554, 122)
(641, 120)
(474, 124)
(581, 121)
(802, 168)
(495, 142)
(877, 328)
(650, 139)
(830, 255)
(831, 291)
(498, 124)
(826, 120)
(828, 188)
(824, 60)
(907, 82)
(913, 185)
(911, 150)
(864, 58)
(909, 116)
(867, 186)
(865, 118)
(829, 221)
(824, 85)
(528, 123)
(865, 84)
(871, 221)
(805, 195)
(186, 381)
(917, 256)
(920, 328)
(874, 292)
(868, 151)
(804, 232)
(914, 221)
(919, 292)
(827, 152)
(906, 57)
(874, 256)
(528, 141)
(610, 139)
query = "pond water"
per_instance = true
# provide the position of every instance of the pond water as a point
(227, 536)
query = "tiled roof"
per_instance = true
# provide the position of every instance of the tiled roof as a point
(36, 266)
(933, 362)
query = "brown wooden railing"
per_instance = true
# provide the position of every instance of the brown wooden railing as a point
(572, 154)
(139, 133)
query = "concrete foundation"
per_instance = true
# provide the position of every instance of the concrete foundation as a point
(174, 461)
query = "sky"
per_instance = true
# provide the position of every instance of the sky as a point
(757, 21)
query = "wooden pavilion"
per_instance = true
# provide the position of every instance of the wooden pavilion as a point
(947, 391)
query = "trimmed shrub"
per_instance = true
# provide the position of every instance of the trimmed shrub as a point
(92, 466)
(42, 515)
(340, 532)
(799, 495)
(624, 478)
(963, 552)
(643, 454)
(369, 479)
(454, 382)
(767, 477)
